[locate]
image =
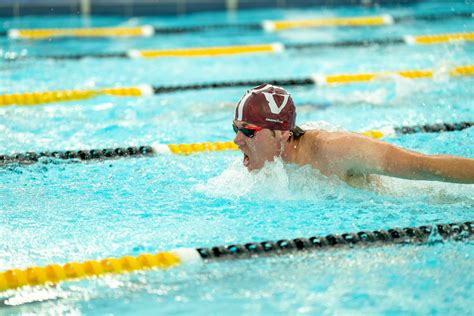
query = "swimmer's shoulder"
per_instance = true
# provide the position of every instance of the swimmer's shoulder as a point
(318, 137)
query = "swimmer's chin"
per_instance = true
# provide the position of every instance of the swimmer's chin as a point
(255, 167)
(250, 167)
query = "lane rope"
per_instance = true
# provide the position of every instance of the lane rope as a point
(206, 51)
(54, 273)
(255, 48)
(36, 98)
(187, 149)
(148, 30)
(272, 26)
(120, 152)
(140, 31)
(407, 74)
(439, 38)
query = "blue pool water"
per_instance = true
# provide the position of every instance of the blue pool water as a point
(62, 212)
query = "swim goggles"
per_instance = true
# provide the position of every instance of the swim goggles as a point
(248, 131)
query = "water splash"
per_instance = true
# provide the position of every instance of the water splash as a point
(279, 181)
(322, 125)
(275, 181)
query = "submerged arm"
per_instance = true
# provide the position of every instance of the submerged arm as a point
(363, 155)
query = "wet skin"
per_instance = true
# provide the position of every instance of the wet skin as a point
(350, 156)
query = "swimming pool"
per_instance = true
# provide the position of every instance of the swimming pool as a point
(61, 212)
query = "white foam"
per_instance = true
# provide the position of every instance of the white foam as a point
(103, 106)
(271, 180)
(391, 90)
(435, 192)
(322, 125)
(405, 88)
(276, 181)
(33, 295)
(376, 97)
(441, 71)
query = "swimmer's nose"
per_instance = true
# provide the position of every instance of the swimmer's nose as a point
(239, 138)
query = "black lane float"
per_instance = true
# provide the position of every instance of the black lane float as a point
(408, 235)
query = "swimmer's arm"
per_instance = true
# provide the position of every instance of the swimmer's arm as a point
(370, 156)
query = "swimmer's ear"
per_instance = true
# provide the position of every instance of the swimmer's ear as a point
(285, 135)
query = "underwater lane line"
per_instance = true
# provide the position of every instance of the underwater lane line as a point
(214, 51)
(54, 273)
(186, 149)
(268, 25)
(37, 98)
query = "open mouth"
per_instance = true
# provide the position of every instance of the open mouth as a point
(246, 160)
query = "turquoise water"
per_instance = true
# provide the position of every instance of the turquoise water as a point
(63, 212)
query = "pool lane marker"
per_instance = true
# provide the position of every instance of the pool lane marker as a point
(322, 80)
(148, 30)
(439, 38)
(36, 98)
(427, 128)
(120, 152)
(187, 149)
(273, 26)
(215, 51)
(207, 51)
(139, 31)
(54, 273)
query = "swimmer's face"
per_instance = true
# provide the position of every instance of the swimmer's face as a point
(264, 146)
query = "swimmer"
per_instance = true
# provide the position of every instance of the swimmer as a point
(265, 128)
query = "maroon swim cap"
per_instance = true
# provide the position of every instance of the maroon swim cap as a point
(267, 106)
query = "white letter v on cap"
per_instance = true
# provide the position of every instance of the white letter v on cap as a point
(271, 102)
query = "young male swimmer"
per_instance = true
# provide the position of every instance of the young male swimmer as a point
(265, 128)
